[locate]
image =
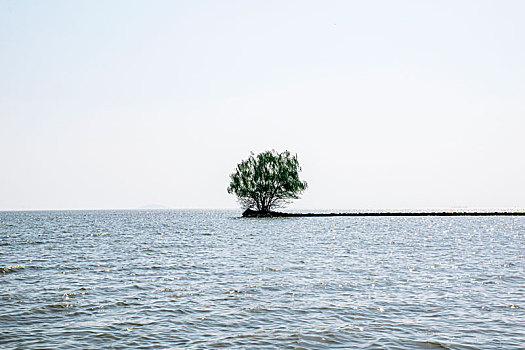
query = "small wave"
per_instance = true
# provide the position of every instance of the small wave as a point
(511, 306)
(267, 268)
(96, 234)
(51, 308)
(36, 267)
(257, 309)
(35, 242)
(9, 269)
(432, 345)
(314, 340)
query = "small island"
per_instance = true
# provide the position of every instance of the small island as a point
(270, 180)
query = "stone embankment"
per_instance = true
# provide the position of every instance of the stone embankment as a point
(248, 213)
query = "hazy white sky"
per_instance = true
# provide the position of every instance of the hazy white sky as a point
(388, 104)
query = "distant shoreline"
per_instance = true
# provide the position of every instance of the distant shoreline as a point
(256, 214)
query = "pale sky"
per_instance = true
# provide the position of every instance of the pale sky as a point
(388, 104)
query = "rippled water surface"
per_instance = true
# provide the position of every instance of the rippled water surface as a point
(209, 279)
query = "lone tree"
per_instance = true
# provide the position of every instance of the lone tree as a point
(267, 181)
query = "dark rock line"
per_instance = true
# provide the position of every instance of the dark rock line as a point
(248, 213)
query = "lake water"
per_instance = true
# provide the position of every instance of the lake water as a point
(209, 279)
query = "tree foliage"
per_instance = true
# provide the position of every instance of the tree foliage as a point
(267, 181)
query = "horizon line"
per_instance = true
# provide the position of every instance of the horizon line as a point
(351, 210)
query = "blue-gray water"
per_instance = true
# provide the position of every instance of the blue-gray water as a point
(209, 279)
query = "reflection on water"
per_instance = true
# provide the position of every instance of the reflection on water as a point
(208, 279)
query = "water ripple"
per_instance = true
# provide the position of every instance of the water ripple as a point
(207, 279)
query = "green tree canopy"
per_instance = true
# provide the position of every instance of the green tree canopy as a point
(267, 181)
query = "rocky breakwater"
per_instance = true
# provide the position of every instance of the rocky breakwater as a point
(249, 213)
